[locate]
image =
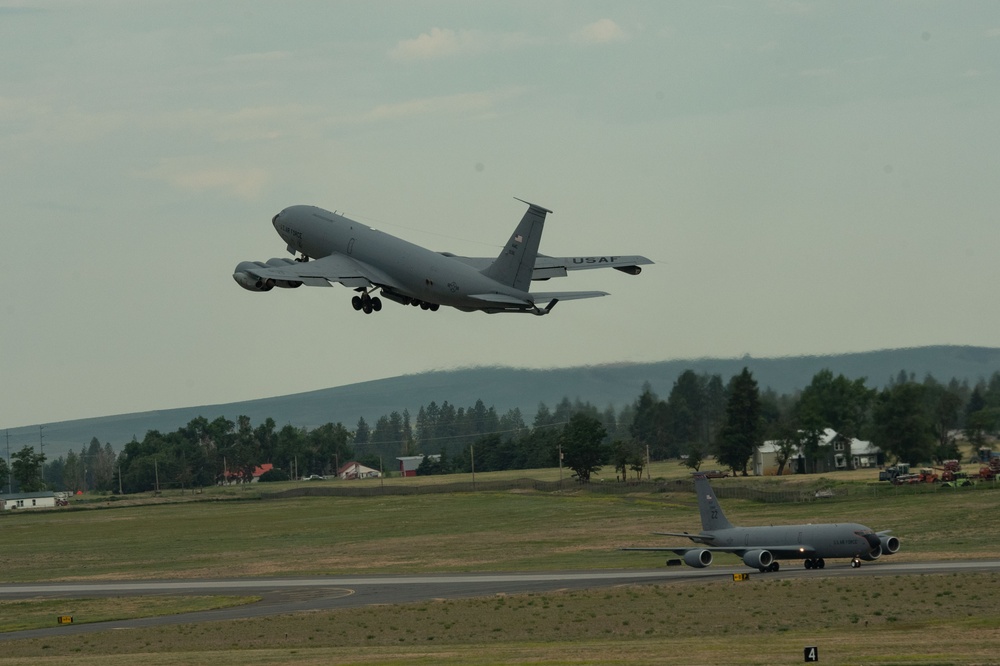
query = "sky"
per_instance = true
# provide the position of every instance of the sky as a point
(809, 177)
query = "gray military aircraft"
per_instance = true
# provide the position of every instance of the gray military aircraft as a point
(334, 248)
(762, 547)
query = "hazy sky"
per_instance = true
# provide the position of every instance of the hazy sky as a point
(810, 177)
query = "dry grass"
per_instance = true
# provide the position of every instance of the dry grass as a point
(884, 620)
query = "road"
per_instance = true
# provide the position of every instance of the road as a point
(291, 595)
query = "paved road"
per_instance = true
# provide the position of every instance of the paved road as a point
(291, 595)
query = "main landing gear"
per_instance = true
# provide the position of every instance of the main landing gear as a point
(367, 303)
(817, 563)
(774, 566)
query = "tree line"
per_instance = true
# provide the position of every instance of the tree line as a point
(910, 420)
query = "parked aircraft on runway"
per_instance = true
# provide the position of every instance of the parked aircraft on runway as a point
(762, 547)
(337, 249)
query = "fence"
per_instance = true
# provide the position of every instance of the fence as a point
(745, 492)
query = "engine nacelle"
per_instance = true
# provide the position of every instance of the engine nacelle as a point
(873, 554)
(758, 559)
(245, 278)
(890, 544)
(699, 559)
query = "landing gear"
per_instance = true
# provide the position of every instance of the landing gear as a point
(855, 563)
(774, 566)
(817, 563)
(366, 303)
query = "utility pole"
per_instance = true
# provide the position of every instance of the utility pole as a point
(472, 457)
(10, 487)
(560, 466)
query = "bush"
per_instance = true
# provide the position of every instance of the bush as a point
(274, 474)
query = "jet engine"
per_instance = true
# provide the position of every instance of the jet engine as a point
(250, 282)
(758, 559)
(873, 554)
(698, 559)
(890, 544)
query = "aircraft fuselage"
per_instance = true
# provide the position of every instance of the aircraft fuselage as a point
(820, 540)
(427, 275)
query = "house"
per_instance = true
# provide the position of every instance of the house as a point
(408, 464)
(836, 452)
(233, 476)
(42, 500)
(355, 470)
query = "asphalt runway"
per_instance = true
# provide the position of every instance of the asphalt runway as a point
(292, 595)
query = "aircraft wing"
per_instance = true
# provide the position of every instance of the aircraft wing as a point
(537, 297)
(779, 552)
(550, 267)
(333, 268)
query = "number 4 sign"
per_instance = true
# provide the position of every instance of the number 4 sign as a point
(811, 653)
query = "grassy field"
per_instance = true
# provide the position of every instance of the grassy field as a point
(941, 619)
(41, 613)
(921, 619)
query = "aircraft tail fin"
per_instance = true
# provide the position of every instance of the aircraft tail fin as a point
(712, 517)
(516, 263)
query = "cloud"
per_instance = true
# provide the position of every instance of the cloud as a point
(604, 31)
(447, 43)
(438, 43)
(243, 183)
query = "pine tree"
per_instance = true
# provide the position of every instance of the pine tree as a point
(743, 431)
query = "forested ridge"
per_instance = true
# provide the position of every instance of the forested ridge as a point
(912, 420)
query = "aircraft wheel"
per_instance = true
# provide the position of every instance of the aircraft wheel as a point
(855, 563)
(821, 563)
(356, 302)
(367, 307)
(424, 306)
(809, 564)
(376, 304)
(434, 307)
(775, 566)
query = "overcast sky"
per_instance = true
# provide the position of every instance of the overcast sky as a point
(810, 177)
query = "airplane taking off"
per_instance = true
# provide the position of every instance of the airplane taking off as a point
(762, 547)
(334, 248)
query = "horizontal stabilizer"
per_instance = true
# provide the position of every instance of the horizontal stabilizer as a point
(546, 267)
(539, 296)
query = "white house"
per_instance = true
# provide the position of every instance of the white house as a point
(836, 453)
(43, 500)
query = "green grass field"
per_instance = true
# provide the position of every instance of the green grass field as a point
(919, 619)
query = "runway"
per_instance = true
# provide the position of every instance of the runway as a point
(291, 595)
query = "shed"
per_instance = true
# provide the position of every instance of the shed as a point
(40, 500)
(408, 464)
(355, 470)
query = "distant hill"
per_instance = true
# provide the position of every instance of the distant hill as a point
(506, 388)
